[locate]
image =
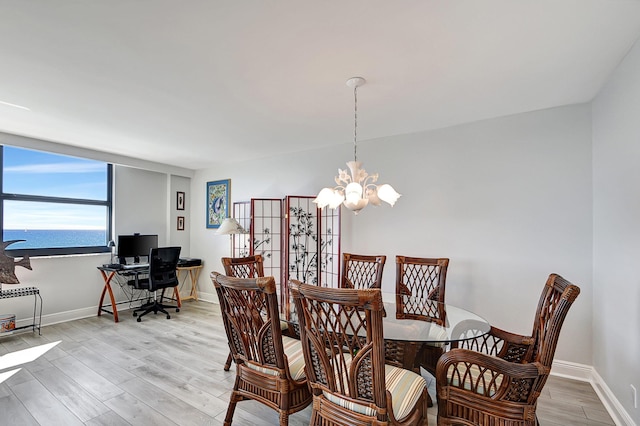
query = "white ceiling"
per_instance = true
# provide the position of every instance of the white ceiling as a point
(182, 82)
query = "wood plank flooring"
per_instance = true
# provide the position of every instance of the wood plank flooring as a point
(169, 372)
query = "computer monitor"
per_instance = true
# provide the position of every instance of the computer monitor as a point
(135, 246)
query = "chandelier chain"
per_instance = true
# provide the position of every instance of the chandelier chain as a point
(355, 123)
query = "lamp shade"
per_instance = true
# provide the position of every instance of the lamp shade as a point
(230, 226)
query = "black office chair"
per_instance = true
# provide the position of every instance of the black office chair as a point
(162, 275)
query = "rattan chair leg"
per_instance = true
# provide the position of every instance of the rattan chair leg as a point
(284, 419)
(235, 397)
(227, 365)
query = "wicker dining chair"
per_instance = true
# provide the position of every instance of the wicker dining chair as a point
(496, 379)
(269, 366)
(362, 271)
(342, 340)
(242, 267)
(420, 278)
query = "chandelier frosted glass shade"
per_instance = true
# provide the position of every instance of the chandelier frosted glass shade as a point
(356, 189)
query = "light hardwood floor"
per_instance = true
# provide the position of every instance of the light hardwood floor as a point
(169, 372)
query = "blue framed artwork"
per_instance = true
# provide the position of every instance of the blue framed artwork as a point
(217, 202)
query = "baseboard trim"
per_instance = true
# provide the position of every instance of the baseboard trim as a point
(208, 297)
(587, 373)
(610, 402)
(572, 370)
(58, 317)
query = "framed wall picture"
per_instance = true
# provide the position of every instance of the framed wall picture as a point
(180, 200)
(217, 202)
(180, 223)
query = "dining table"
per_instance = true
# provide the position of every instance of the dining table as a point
(417, 331)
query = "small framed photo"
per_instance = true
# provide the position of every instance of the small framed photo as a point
(180, 223)
(217, 202)
(180, 200)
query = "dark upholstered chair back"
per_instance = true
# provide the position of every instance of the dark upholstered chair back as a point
(162, 267)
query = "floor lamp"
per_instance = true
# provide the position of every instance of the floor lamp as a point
(230, 226)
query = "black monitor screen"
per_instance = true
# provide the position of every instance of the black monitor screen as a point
(135, 246)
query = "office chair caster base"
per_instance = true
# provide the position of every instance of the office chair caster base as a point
(139, 320)
(168, 316)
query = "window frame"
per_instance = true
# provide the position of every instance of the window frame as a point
(53, 251)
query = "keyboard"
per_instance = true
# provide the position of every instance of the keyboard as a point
(135, 266)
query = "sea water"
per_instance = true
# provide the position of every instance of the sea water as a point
(53, 238)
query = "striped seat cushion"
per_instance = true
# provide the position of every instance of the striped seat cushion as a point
(405, 386)
(293, 351)
(284, 325)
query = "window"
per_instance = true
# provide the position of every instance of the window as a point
(55, 204)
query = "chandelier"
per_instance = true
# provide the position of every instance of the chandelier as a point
(356, 189)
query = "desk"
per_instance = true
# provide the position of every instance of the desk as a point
(120, 277)
(191, 272)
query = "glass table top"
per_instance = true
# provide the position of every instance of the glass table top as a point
(439, 322)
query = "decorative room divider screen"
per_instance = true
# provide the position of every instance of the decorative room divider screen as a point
(295, 238)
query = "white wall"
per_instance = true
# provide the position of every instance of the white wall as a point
(507, 200)
(616, 230)
(141, 203)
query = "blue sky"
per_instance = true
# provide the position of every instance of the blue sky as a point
(40, 173)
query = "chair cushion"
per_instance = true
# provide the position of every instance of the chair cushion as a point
(293, 351)
(284, 325)
(405, 386)
(295, 356)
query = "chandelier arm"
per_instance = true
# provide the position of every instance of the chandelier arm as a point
(370, 185)
(370, 180)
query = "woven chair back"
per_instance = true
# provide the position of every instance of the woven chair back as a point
(362, 271)
(419, 280)
(250, 314)
(557, 297)
(243, 267)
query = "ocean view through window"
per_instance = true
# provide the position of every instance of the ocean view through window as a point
(54, 204)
